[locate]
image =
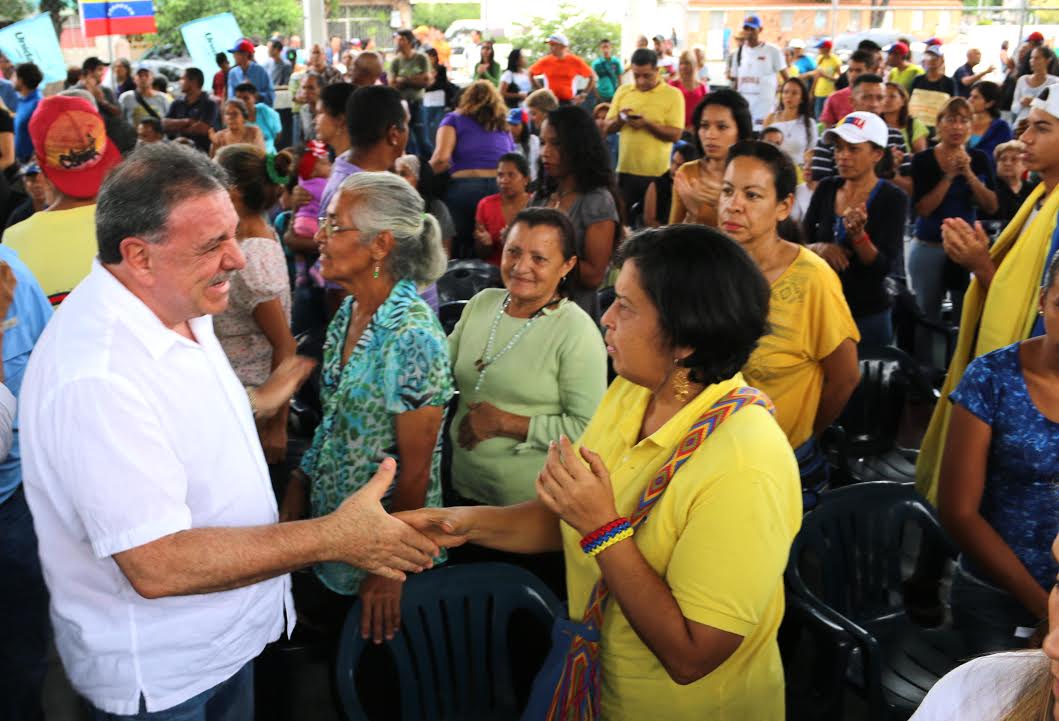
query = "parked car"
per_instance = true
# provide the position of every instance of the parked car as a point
(846, 43)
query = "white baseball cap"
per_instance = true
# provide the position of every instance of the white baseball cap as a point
(1049, 105)
(797, 44)
(859, 127)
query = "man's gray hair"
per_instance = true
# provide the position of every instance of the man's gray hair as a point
(385, 201)
(138, 196)
(81, 93)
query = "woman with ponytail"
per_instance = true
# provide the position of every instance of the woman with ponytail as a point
(385, 382)
(255, 329)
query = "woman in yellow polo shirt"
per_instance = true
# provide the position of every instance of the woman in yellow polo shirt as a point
(807, 363)
(696, 595)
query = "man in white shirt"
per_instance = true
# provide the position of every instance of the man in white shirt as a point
(143, 469)
(758, 66)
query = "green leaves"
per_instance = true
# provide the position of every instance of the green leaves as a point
(582, 29)
(257, 18)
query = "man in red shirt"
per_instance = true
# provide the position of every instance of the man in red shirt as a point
(560, 68)
(840, 103)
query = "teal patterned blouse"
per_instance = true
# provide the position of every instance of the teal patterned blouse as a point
(400, 364)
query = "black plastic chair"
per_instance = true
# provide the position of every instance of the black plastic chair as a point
(465, 278)
(912, 329)
(450, 313)
(844, 581)
(451, 654)
(863, 446)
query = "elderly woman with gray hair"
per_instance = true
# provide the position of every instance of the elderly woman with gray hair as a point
(385, 378)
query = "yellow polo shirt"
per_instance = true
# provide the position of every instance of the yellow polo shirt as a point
(58, 246)
(640, 152)
(808, 319)
(719, 538)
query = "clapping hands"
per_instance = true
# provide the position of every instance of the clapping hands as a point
(580, 495)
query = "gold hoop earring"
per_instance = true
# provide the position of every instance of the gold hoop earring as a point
(681, 383)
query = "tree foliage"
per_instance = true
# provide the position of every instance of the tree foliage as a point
(257, 18)
(53, 7)
(1043, 17)
(441, 15)
(14, 10)
(582, 29)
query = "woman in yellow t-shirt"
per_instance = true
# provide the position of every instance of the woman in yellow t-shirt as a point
(807, 363)
(696, 595)
(895, 113)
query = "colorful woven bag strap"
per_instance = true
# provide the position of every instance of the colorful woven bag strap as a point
(707, 423)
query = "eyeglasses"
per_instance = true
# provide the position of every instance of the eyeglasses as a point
(330, 227)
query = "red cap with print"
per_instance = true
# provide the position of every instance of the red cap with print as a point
(72, 146)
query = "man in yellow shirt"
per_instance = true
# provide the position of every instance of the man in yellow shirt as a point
(648, 114)
(902, 70)
(828, 68)
(74, 153)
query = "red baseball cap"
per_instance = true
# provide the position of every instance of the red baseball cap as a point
(1035, 37)
(899, 48)
(71, 144)
(824, 45)
(243, 46)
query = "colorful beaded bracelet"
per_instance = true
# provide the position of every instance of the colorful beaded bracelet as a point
(613, 532)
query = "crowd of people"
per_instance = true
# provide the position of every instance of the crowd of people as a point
(672, 256)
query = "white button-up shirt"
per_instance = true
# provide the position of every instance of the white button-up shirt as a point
(132, 432)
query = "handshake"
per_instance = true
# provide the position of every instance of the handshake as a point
(363, 534)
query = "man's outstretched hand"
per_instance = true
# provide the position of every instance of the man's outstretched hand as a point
(363, 534)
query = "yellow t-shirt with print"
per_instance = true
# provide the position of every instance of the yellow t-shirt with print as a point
(719, 537)
(825, 86)
(58, 246)
(640, 152)
(808, 320)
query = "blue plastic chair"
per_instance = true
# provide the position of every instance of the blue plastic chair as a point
(451, 654)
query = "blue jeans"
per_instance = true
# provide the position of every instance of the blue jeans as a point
(462, 198)
(418, 143)
(877, 329)
(24, 610)
(927, 264)
(432, 118)
(926, 272)
(231, 700)
(818, 104)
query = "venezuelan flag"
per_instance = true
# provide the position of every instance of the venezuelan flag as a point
(121, 17)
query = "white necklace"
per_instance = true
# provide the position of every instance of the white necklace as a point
(486, 360)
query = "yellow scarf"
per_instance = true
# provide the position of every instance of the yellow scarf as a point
(993, 318)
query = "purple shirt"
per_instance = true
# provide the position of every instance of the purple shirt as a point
(340, 170)
(476, 148)
(315, 188)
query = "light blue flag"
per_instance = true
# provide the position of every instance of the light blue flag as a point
(33, 40)
(208, 36)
